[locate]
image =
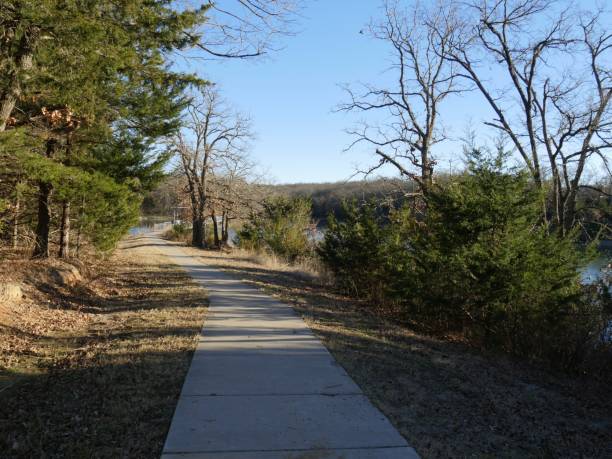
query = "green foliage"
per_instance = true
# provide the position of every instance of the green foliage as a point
(479, 262)
(280, 227)
(359, 245)
(180, 229)
(110, 214)
(178, 232)
(107, 208)
(103, 63)
(488, 264)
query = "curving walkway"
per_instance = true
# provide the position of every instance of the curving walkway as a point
(262, 386)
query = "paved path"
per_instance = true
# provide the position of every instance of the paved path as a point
(262, 386)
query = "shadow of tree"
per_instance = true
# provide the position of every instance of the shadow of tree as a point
(97, 410)
(108, 390)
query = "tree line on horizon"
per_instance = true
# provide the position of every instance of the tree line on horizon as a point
(328, 198)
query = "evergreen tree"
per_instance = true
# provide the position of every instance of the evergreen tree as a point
(479, 262)
(98, 92)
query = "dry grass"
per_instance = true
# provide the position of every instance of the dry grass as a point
(309, 269)
(447, 399)
(173, 235)
(99, 368)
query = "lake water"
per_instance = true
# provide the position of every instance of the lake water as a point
(597, 270)
(148, 224)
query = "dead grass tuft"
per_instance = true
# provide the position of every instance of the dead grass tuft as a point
(306, 268)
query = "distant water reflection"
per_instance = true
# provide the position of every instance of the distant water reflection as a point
(597, 270)
(148, 224)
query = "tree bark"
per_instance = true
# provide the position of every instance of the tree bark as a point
(197, 233)
(426, 170)
(569, 211)
(64, 245)
(41, 245)
(80, 228)
(215, 229)
(15, 235)
(24, 63)
(224, 228)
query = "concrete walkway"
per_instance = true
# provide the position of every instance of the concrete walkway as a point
(262, 386)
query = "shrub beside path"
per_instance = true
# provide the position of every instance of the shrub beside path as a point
(261, 385)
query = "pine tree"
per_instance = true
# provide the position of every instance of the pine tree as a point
(98, 91)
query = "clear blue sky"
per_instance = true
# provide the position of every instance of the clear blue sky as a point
(291, 95)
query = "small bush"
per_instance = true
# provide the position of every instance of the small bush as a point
(361, 249)
(281, 227)
(179, 232)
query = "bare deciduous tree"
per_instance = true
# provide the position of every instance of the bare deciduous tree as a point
(545, 72)
(232, 194)
(246, 28)
(212, 133)
(419, 38)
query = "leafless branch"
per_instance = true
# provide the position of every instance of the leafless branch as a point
(554, 101)
(419, 38)
(212, 143)
(242, 29)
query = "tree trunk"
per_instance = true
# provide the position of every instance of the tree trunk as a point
(216, 229)
(224, 228)
(24, 63)
(64, 245)
(426, 170)
(41, 245)
(15, 235)
(80, 228)
(569, 212)
(197, 232)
